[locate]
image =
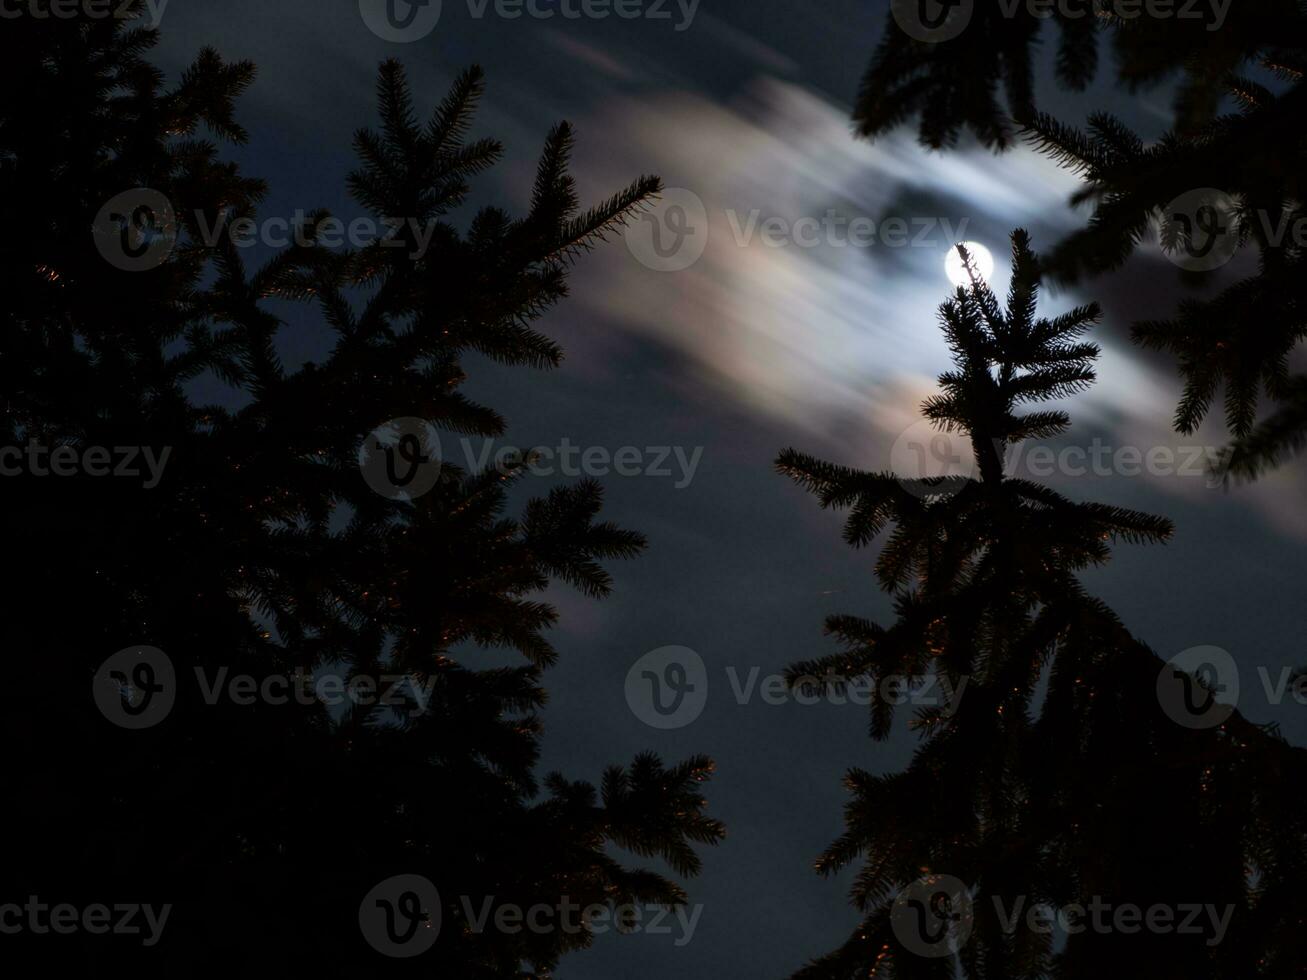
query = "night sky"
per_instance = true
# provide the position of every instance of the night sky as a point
(752, 349)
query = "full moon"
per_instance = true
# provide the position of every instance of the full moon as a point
(981, 258)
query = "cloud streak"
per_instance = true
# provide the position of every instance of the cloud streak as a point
(838, 339)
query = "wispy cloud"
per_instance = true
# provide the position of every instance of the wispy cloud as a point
(838, 339)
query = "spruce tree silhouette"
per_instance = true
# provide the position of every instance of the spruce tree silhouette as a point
(1053, 776)
(263, 552)
(1234, 183)
(1253, 59)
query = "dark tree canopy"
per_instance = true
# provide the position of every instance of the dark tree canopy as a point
(1056, 776)
(264, 552)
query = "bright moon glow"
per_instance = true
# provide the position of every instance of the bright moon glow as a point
(981, 258)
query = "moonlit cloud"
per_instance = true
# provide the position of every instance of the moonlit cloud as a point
(834, 339)
(824, 331)
(831, 337)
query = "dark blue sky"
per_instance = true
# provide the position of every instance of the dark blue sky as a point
(753, 349)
